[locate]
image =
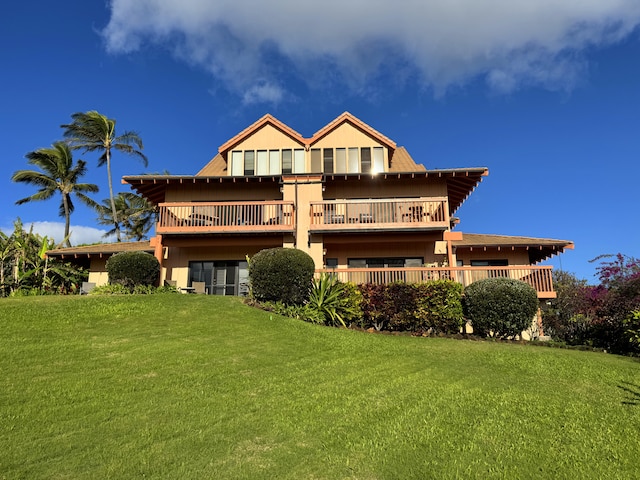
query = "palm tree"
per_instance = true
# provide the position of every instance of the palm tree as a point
(136, 215)
(58, 174)
(92, 131)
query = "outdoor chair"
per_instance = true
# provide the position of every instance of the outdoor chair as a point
(199, 287)
(87, 287)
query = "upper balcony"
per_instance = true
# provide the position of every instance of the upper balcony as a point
(225, 217)
(428, 213)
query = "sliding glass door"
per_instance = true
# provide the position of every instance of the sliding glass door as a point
(221, 277)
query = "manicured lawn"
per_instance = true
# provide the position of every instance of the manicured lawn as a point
(186, 386)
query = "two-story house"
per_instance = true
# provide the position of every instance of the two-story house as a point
(348, 196)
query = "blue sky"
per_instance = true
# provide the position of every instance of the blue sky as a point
(546, 96)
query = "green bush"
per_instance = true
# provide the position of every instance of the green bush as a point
(299, 312)
(372, 306)
(281, 275)
(132, 269)
(500, 307)
(439, 306)
(118, 289)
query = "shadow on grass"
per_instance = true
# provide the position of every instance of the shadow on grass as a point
(633, 392)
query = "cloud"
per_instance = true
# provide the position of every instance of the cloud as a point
(255, 47)
(79, 234)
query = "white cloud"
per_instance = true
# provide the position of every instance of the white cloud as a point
(55, 230)
(252, 45)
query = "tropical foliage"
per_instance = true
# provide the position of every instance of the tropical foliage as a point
(602, 315)
(135, 216)
(57, 174)
(93, 132)
(26, 270)
(336, 302)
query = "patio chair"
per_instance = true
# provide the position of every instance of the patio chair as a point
(87, 287)
(199, 287)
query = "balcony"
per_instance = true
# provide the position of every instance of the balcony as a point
(369, 215)
(225, 217)
(539, 277)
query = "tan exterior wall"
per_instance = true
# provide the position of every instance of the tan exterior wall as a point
(175, 265)
(268, 137)
(222, 192)
(346, 135)
(382, 246)
(302, 191)
(385, 188)
(98, 271)
(515, 257)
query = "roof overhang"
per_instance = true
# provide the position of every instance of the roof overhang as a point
(538, 249)
(100, 250)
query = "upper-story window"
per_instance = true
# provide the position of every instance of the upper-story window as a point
(347, 160)
(267, 162)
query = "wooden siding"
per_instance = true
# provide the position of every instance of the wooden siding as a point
(539, 277)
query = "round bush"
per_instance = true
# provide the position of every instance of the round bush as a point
(281, 275)
(131, 269)
(501, 307)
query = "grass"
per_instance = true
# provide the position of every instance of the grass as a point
(186, 386)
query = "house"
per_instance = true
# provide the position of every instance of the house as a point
(349, 196)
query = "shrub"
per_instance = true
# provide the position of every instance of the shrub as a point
(281, 274)
(299, 312)
(439, 306)
(338, 303)
(501, 307)
(131, 269)
(399, 306)
(373, 306)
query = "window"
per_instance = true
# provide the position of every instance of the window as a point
(274, 162)
(327, 156)
(490, 263)
(316, 160)
(249, 162)
(331, 263)
(262, 163)
(378, 160)
(353, 166)
(237, 165)
(287, 167)
(298, 161)
(341, 160)
(365, 160)
(384, 262)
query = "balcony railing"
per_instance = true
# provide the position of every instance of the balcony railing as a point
(419, 213)
(225, 217)
(539, 277)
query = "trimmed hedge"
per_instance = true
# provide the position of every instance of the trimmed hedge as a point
(500, 307)
(281, 275)
(131, 269)
(433, 306)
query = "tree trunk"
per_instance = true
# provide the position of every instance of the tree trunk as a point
(67, 219)
(114, 212)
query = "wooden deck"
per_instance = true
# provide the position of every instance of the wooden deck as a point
(225, 217)
(352, 215)
(539, 277)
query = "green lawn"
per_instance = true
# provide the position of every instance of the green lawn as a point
(189, 386)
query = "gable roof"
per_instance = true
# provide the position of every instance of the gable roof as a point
(216, 167)
(267, 119)
(539, 248)
(346, 117)
(401, 161)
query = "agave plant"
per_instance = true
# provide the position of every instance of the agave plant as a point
(330, 298)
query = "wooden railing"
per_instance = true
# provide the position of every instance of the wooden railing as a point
(539, 277)
(432, 212)
(229, 217)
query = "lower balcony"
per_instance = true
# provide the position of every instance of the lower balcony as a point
(352, 215)
(539, 277)
(225, 217)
